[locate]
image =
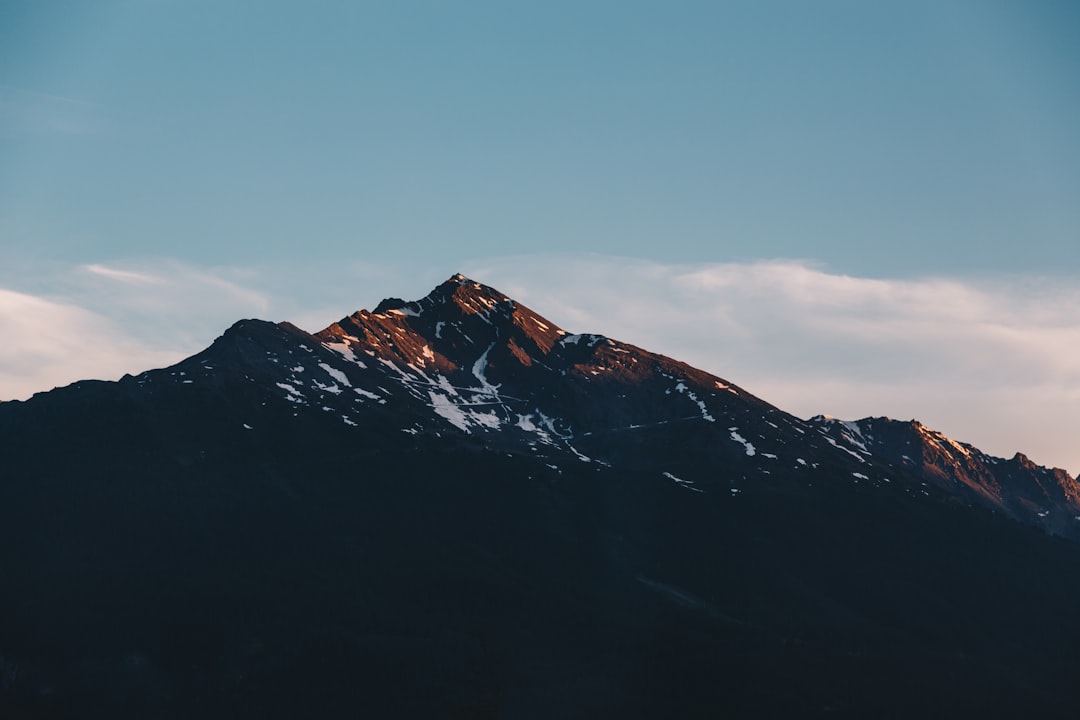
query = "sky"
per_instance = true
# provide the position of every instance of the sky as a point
(844, 207)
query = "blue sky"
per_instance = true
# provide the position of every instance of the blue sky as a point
(167, 166)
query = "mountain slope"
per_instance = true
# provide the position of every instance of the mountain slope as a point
(454, 508)
(1017, 488)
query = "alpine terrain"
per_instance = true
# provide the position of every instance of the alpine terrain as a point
(452, 508)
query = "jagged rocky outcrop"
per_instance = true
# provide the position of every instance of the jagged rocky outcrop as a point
(451, 507)
(1017, 488)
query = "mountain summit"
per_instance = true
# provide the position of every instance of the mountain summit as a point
(451, 507)
(471, 357)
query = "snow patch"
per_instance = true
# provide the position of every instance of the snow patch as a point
(581, 457)
(740, 439)
(479, 368)
(336, 374)
(590, 339)
(460, 418)
(344, 351)
(331, 388)
(289, 389)
(449, 411)
(365, 393)
(681, 387)
(836, 445)
(853, 434)
(689, 485)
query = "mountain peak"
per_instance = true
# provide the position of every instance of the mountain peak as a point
(388, 304)
(1022, 460)
(458, 324)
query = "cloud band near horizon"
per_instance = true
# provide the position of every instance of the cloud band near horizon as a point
(994, 362)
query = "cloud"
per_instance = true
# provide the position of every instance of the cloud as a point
(125, 276)
(995, 362)
(100, 321)
(166, 302)
(48, 344)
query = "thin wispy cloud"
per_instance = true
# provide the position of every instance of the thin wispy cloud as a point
(125, 276)
(34, 111)
(157, 290)
(177, 284)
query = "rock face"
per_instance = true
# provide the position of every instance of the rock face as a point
(454, 508)
(1017, 488)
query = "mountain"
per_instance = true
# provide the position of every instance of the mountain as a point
(1017, 488)
(452, 507)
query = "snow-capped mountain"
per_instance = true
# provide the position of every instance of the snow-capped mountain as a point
(468, 359)
(452, 507)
